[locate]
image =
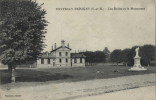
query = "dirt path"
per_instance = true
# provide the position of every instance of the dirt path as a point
(81, 89)
(142, 93)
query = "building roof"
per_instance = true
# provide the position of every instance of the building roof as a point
(59, 48)
(77, 55)
(46, 56)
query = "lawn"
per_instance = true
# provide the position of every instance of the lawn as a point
(39, 76)
(91, 72)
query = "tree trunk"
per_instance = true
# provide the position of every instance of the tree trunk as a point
(10, 69)
(11, 72)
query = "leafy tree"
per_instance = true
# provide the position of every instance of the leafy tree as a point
(147, 54)
(99, 57)
(106, 51)
(107, 54)
(125, 55)
(22, 29)
(90, 57)
(94, 57)
(87, 54)
(115, 56)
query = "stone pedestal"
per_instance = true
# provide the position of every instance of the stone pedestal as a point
(137, 66)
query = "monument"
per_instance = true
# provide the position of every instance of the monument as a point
(137, 66)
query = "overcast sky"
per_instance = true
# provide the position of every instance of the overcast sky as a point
(94, 30)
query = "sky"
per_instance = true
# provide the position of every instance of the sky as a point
(94, 30)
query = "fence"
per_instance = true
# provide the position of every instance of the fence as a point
(107, 64)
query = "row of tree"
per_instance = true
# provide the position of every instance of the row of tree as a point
(94, 57)
(146, 52)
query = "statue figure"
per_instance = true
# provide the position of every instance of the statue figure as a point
(137, 66)
(137, 51)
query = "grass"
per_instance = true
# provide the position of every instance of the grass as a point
(91, 72)
(32, 77)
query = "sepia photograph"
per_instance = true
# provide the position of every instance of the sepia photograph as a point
(77, 50)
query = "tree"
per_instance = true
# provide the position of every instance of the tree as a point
(125, 55)
(99, 57)
(22, 30)
(147, 54)
(89, 56)
(107, 54)
(94, 57)
(115, 56)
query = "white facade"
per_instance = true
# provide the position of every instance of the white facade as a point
(77, 63)
(45, 64)
(61, 57)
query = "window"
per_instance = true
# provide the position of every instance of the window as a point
(48, 60)
(80, 60)
(53, 63)
(75, 60)
(60, 60)
(53, 59)
(66, 60)
(42, 61)
(59, 53)
(66, 53)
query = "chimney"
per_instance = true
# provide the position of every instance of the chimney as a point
(47, 53)
(63, 43)
(55, 45)
(52, 47)
(68, 45)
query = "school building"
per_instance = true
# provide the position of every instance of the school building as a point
(61, 57)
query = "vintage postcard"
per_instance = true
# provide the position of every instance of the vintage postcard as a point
(77, 50)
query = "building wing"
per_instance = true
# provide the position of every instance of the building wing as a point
(77, 55)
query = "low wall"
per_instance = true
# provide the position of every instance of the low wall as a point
(78, 65)
(108, 64)
(26, 66)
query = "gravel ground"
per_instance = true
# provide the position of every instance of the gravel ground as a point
(74, 90)
(142, 93)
